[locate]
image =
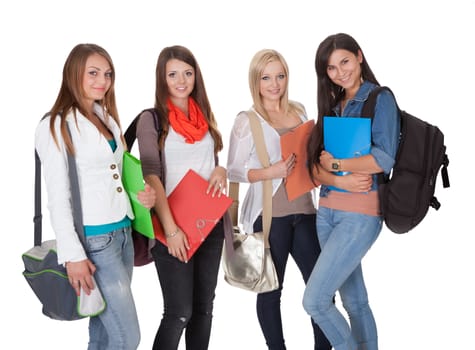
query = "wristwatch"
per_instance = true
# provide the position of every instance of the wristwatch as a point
(336, 165)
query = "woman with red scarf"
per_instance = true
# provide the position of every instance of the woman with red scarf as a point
(182, 135)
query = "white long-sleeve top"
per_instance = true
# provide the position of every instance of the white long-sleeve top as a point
(242, 157)
(103, 197)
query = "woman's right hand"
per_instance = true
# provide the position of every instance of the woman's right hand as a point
(178, 245)
(80, 275)
(147, 197)
(283, 168)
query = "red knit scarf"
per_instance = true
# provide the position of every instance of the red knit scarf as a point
(194, 127)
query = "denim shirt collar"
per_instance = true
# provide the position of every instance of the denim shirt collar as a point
(361, 95)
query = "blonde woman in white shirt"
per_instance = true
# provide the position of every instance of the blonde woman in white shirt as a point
(293, 222)
(86, 104)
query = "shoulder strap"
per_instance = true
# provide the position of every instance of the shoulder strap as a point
(258, 136)
(234, 208)
(368, 111)
(370, 103)
(37, 219)
(131, 133)
(76, 199)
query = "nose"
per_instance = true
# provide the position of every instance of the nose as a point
(339, 71)
(181, 78)
(101, 79)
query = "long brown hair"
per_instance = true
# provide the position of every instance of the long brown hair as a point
(328, 93)
(198, 94)
(71, 95)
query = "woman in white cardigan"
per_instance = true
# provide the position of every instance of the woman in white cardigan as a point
(86, 104)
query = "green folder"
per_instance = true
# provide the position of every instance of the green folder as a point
(132, 178)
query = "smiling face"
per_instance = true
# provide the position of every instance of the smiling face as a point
(97, 78)
(180, 80)
(344, 69)
(273, 82)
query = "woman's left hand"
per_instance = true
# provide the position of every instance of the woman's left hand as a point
(147, 197)
(217, 182)
(326, 160)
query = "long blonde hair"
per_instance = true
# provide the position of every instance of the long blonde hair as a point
(257, 66)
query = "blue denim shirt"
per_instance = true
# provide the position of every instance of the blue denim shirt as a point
(384, 131)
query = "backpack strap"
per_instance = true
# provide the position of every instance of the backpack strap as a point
(368, 112)
(370, 103)
(444, 172)
(130, 135)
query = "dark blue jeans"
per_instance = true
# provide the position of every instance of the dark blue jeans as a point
(295, 235)
(188, 293)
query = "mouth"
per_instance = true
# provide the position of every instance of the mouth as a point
(345, 78)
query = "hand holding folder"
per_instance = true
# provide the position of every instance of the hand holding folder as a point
(194, 211)
(346, 137)
(295, 141)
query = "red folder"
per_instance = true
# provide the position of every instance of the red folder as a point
(194, 211)
(295, 141)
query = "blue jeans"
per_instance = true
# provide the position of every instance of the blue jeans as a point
(117, 328)
(294, 235)
(345, 238)
(188, 291)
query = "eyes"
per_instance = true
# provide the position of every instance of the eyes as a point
(268, 77)
(174, 74)
(96, 72)
(342, 63)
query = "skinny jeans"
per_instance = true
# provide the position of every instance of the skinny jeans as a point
(345, 238)
(117, 328)
(293, 235)
(188, 291)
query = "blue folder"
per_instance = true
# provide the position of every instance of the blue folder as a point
(346, 137)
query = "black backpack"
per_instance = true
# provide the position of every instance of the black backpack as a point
(142, 245)
(408, 192)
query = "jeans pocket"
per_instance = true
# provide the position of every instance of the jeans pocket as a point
(98, 243)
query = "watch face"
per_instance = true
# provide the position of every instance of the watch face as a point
(335, 166)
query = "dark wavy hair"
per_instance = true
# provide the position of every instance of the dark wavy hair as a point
(328, 93)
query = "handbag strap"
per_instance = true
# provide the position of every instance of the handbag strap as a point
(76, 201)
(258, 136)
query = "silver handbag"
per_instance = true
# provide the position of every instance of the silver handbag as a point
(250, 266)
(248, 263)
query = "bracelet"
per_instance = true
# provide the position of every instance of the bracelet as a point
(173, 234)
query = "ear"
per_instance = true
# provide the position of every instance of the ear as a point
(360, 56)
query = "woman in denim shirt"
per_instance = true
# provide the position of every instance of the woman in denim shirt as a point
(348, 222)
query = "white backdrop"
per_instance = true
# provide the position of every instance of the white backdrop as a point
(420, 284)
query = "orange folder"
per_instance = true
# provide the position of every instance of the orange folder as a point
(295, 141)
(194, 211)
